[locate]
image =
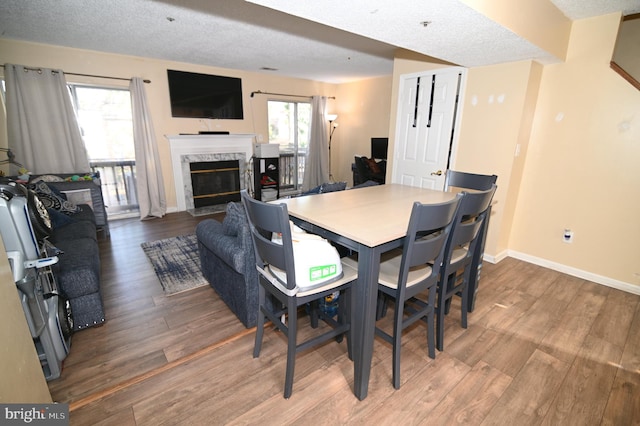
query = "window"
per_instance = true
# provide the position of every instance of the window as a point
(289, 127)
(105, 119)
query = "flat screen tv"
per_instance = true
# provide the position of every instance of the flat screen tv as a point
(196, 95)
(379, 148)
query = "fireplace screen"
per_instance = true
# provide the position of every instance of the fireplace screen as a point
(215, 182)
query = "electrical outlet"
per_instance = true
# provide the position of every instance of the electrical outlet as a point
(567, 236)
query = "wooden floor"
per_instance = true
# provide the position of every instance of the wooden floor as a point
(541, 348)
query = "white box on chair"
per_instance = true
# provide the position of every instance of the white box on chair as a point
(266, 150)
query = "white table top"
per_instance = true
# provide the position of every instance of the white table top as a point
(371, 216)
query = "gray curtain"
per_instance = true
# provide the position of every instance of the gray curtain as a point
(41, 124)
(150, 186)
(316, 170)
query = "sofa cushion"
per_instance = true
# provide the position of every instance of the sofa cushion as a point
(84, 213)
(228, 248)
(234, 218)
(88, 311)
(78, 271)
(73, 231)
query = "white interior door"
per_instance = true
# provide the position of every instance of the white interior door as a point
(427, 109)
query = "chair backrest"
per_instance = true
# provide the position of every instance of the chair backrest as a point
(427, 234)
(265, 220)
(469, 180)
(469, 218)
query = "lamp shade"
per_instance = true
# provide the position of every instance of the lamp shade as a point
(332, 117)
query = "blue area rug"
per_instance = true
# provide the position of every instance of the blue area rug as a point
(176, 262)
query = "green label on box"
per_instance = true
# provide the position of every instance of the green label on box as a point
(321, 272)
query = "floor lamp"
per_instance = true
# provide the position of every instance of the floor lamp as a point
(332, 128)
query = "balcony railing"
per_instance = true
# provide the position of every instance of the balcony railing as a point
(118, 179)
(291, 171)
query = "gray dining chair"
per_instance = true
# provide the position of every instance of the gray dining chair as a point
(274, 258)
(478, 182)
(407, 274)
(467, 180)
(456, 268)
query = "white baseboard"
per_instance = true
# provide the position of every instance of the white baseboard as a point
(495, 259)
(598, 279)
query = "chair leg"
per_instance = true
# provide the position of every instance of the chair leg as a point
(347, 318)
(440, 320)
(450, 284)
(464, 297)
(342, 313)
(430, 338)
(397, 340)
(381, 307)
(313, 313)
(292, 331)
(463, 316)
(260, 322)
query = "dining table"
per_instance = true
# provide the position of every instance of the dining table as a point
(369, 221)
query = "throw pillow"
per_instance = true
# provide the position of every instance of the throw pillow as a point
(53, 200)
(59, 219)
(332, 187)
(373, 166)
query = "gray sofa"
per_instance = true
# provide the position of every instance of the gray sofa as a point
(74, 233)
(227, 260)
(78, 270)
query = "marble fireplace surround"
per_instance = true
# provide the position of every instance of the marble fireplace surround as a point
(187, 149)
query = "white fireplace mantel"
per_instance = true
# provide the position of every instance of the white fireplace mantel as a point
(190, 145)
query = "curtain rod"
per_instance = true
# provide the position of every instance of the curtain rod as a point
(260, 92)
(82, 75)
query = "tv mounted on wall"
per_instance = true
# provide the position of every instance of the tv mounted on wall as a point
(196, 95)
(379, 148)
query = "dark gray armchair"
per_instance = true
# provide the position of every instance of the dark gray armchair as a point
(227, 260)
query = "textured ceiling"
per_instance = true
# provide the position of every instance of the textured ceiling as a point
(580, 9)
(456, 33)
(333, 40)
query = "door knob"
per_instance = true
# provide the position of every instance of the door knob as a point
(438, 173)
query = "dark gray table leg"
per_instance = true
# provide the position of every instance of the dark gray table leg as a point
(363, 308)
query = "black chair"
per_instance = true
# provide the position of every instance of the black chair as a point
(476, 182)
(456, 269)
(407, 274)
(365, 173)
(274, 258)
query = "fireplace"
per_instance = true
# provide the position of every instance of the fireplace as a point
(193, 149)
(215, 182)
